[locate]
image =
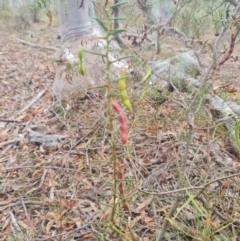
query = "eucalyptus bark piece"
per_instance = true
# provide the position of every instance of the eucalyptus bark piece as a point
(45, 139)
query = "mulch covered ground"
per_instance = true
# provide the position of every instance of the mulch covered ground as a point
(65, 193)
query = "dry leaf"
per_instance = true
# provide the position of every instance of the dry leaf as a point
(108, 211)
(25, 117)
(42, 149)
(67, 205)
(144, 204)
(5, 224)
(225, 186)
(24, 225)
(5, 202)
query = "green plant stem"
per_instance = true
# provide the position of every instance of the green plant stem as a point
(113, 227)
(110, 118)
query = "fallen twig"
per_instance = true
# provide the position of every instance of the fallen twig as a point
(9, 169)
(9, 120)
(41, 183)
(39, 95)
(37, 45)
(203, 187)
(27, 214)
(4, 121)
(13, 141)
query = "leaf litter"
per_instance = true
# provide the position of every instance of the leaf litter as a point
(66, 191)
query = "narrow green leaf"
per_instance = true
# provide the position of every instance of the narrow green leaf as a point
(119, 18)
(237, 133)
(118, 30)
(118, 59)
(195, 203)
(147, 75)
(102, 23)
(105, 10)
(145, 91)
(118, 4)
(95, 53)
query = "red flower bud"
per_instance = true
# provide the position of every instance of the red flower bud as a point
(116, 106)
(122, 120)
(124, 128)
(124, 138)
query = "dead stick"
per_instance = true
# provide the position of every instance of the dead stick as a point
(37, 45)
(9, 120)
(10, 142)
(39, 95)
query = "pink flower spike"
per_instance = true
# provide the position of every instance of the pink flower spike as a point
(124, 138)
(124, 128)
(116, 106)
(122, 119)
